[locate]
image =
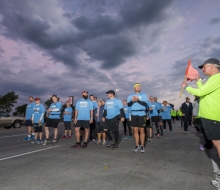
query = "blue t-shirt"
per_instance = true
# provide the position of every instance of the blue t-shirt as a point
(166, 112)
(38, 113)
(160, 106)
(127, 111)
(29, 110)
(68, 117)
(155, 106)
(56, 110)
(136, 108)
(113, 106)
(84, 107)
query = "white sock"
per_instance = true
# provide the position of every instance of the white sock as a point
(33, 133)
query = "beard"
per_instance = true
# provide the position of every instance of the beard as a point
(85, 97)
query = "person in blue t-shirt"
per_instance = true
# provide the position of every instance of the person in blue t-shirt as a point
(166, 116)
(138, 103)
(67, 119)
(154, 113)
(93, 124)
(100, 124)
(113, 112)
(28, 119)
(83, 118)
(160, 123)
(53, 120)
(38, 120)
(126, 121)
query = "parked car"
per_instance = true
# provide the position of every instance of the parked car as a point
(8, 121)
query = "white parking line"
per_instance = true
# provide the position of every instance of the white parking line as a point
(18, 155)
(12, 136)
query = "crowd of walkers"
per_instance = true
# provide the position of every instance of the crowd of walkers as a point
(138, 114)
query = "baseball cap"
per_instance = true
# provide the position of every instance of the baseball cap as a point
(210, 61)
(36, 99)
(111, 92)
(84, 92)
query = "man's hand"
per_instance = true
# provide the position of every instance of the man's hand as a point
(103, 119)
(39, 121)
(75, 120)
(148, 118)
(122, 119)
(150, 108)
(184, 85)
(91, 121)
(134, 99)
(197, 78)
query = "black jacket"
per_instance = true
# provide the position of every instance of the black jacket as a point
(187, 110)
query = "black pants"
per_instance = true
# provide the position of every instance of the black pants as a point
(92, 128)
(126, 123)
(208, 143)
(181, 121)
(169, 123)
(155, 119)
(186, 120)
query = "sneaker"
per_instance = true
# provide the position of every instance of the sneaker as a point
(84, 145)
(46, 141)
(103, 142)
(115, 146)
(171, 132)
(201, 147)
(32, 136)
(54, 141)
(136, 148)
(27, 138)
(93, 140)
(129, 137)
(158, 135)
(69, 137)
(77, 145)
(39, 142)
(110, 143)
(98, 142)
(124, 137)
(33, 141)
(216, 173)
(215, 183)
(142, 149)
(150, 140)
(64, 136)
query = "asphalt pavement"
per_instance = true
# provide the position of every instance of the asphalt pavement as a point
(172, 162)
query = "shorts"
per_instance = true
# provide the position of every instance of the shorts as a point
(83, 124)
(138, 121)
(38, 128)
(67, 125)
(99, 126)
(52, 122)
(211, 128)
(28, 123)
(112, 124)
(148, 123)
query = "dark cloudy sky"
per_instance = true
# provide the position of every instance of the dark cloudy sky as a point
(66, 46)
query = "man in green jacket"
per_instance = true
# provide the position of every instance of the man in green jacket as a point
(209, 107)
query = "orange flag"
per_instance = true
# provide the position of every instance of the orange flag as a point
(191, 73)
